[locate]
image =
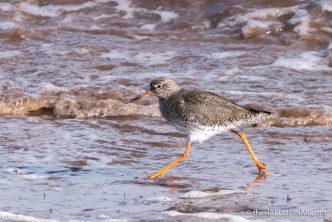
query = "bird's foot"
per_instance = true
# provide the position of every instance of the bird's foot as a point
(262, 169)
(155, 175)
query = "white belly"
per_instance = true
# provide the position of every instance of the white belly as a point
(199, 133)
(202, 133)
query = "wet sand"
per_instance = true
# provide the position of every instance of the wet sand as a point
(87, 174)
(72, 149)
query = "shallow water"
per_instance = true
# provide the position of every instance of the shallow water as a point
(72, 149)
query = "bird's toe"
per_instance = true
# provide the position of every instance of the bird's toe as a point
(155, 175)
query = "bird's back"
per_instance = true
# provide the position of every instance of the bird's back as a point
(190, 110)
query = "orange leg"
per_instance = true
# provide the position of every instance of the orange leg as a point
(261, 167)
(177, 160)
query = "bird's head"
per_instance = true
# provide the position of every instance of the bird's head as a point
(161, 87)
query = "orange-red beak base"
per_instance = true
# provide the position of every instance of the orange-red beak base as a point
(147, 93)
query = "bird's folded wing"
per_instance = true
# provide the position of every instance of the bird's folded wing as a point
(210, 109)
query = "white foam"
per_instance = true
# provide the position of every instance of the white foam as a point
(9, 54)
(115, 220)
(228, 54)
(301, 20)
(263, 21)
(149, 27)
(74, 8)
(23, 174)
(154, 58)
(165, 16)
(49, 87)
(149, 58)
(326, 5)
(140, 37)
(326, 29)
(267, 13)
(124, 6)
(210, 215)
(102, 16)
(233, 71)
(52, 10)
(46, 46)
(33, 177)
(44, 11)
(19, 217)
(116, 54)
(108, 219)
(201, 194)
(252, 78)
(159, 199)
(229, 74)
(6, 26)
(94, 27)
(251, 24)
(67, 20)
(79, 51)
(15, 171)
(255, 27)
(82, 51)
(102, 216)
(329, 46)
(105, 220)
(305, 61)
(259, 15)
(5, 7)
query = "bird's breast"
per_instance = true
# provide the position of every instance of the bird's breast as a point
(168, 111)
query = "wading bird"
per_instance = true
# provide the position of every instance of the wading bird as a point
(201, 115)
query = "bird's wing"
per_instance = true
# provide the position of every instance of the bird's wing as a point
(209, 108)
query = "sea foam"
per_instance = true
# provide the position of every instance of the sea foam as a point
(201, 194)
(310, 60)
(211, 216)
(6, 216)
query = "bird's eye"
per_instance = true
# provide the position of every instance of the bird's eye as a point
(159, 86)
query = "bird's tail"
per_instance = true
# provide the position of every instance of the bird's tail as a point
(259, 115)
(256, 111)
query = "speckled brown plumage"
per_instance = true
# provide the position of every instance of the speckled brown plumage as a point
(201, 115)
(196, 110)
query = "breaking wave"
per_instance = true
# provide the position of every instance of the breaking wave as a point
(86, 102)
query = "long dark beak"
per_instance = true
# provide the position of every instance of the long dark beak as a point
(147, 93)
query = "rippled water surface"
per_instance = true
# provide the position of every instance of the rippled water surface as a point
(72, 149)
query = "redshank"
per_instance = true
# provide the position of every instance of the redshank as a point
(201, 115)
